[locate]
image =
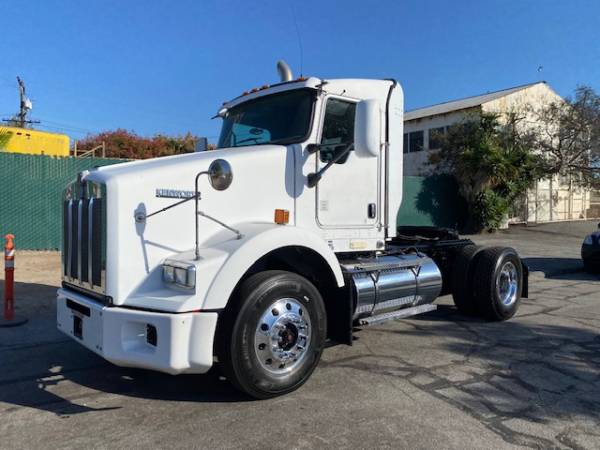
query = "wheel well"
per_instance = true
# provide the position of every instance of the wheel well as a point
(311, 265)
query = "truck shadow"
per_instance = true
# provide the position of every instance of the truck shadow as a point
(45, 370)
(74, 389)
(556, 267)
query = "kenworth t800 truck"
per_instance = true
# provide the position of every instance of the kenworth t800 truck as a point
(252, 256)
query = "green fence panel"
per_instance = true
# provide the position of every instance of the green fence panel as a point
(31, 188)
(432, 201)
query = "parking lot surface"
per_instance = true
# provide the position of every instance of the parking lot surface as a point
(439, 380)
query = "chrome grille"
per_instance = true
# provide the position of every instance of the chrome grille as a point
(84, 236)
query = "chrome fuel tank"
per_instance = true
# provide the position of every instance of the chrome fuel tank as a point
(387, 283)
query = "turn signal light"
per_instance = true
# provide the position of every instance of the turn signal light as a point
(282, 216)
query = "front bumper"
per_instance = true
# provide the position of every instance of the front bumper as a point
(167, 342)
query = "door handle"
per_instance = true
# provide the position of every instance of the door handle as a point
(372, 210)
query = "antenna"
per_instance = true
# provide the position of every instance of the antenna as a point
(299, 37)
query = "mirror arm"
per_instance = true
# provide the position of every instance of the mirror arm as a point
(196, 195)
(314, 178)
(233, 230)
(313, 148)
(141, 217)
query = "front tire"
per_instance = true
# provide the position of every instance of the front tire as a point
(274, 334)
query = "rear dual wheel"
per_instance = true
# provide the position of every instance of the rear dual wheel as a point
(273, 335)
(488, 282)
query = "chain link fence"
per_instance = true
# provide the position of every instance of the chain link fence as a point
(31, 189)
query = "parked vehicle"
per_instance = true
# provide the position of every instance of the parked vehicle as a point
(590, 252)
(281, 239)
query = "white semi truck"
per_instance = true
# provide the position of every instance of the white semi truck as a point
(253, 255)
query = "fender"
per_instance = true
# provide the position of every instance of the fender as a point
(258, 240)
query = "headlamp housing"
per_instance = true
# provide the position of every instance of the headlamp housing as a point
(179, 273)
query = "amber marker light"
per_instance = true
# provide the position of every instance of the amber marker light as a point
(282, 216)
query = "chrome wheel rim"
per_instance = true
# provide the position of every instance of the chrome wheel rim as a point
(507, 283)
(282, 336)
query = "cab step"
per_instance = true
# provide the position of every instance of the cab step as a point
(399, 314)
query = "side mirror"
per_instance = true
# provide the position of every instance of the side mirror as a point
(220, 174)
(367, 129)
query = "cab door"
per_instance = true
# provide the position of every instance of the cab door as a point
(347, 195)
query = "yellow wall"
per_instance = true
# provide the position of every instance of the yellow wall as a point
(35, 142)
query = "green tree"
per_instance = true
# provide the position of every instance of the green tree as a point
(493, 163)
(4, 138)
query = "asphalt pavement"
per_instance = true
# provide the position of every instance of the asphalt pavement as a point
(439, 380)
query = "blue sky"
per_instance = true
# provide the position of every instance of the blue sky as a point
(166, 66)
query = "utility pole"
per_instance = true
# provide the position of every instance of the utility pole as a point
(24, 107)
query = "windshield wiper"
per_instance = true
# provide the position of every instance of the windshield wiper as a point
(281, 140)
(255, 139)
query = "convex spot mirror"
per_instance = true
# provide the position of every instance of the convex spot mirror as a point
(367, 129)
(220, 174)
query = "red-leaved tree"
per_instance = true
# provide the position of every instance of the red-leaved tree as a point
(126, 144)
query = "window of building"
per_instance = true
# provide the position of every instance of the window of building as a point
(436, 137)
(405, 144)
(415, 141)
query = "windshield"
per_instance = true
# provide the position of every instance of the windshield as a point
(282, 118)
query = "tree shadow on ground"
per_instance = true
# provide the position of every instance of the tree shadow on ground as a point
(498, 373)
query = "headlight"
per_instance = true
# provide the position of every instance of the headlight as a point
(169, 274)
(179, 274)
(588, 240)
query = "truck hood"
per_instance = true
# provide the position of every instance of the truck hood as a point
(263, 180)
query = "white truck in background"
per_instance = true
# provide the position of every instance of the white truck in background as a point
(252, 256)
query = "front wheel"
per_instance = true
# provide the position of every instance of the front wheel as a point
(274, 334)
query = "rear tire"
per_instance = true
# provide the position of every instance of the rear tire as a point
(498, 283)
(462, 279)
(274, 334)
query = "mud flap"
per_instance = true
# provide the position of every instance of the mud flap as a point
(525, 290)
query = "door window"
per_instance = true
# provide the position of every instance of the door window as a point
(338, 129)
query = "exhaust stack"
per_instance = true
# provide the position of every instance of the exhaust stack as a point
(284, 71)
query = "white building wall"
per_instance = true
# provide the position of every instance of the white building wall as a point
(416, 163)
(550, 200)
